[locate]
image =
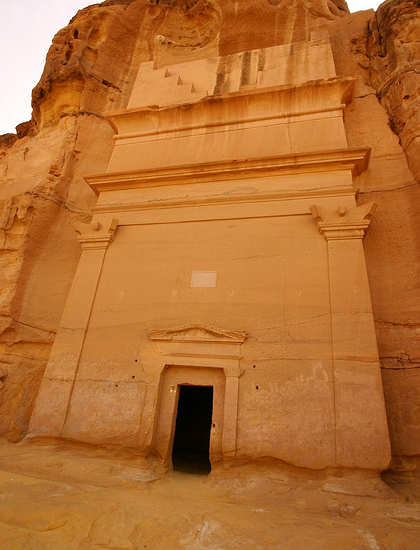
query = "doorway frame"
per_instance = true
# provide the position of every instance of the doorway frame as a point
(196, 350)
(172, 378)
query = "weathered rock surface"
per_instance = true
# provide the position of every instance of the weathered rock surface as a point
(395, 72)
(70, 497)
(382, 51)
(91, 68)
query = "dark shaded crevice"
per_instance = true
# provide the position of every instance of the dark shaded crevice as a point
(190, 452)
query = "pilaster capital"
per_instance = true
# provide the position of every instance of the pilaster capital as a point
(96, 236)
(233, 372)
(343, 223)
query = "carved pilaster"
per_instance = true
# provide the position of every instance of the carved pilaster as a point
(230, 419)
(358, 400)
(51, 408)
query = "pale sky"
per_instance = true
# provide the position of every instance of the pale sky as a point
(27, 28)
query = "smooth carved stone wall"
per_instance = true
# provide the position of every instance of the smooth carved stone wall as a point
(253, 187)
(272, 294)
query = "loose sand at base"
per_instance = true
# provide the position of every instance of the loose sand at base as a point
(56, 495)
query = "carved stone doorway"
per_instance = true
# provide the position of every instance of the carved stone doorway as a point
(191, 447)
(202, 356)
(173, 383)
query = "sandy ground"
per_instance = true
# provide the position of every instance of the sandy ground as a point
(61, 496)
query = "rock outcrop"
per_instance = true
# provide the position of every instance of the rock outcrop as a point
(395, 72)
(91, 68)
(394, 55)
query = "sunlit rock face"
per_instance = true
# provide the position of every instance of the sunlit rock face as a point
(274, 22)
(218, 48)
(396, 73)
(197, 29)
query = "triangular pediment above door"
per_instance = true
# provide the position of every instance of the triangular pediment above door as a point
(199, 333)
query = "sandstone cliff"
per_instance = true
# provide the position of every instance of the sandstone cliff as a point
(381, 50)
(90, 69)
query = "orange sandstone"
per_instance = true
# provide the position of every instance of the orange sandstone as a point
(253, 202)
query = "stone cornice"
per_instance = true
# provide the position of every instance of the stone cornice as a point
(355, 159)
(339, 92)
(248, 198)
(275, 118)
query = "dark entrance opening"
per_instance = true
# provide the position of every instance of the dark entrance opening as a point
(192, 432)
